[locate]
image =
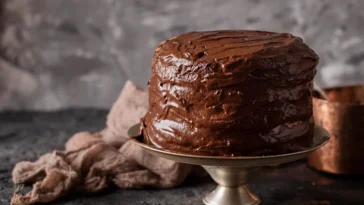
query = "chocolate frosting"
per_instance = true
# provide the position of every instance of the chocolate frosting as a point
(231, 93)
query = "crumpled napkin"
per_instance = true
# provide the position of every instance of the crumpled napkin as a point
(93, 161)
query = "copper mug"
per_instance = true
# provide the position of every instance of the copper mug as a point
(343, 117)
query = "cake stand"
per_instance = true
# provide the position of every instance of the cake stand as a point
(231, 173)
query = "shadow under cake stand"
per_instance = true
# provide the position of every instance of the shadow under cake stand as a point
(231, 173)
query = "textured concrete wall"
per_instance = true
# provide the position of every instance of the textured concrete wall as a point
(62, 53)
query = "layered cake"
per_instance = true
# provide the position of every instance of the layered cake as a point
(231, 93)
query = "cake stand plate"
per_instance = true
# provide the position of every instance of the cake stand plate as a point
(231, 173)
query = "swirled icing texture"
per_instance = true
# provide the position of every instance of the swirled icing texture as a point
(231, 93)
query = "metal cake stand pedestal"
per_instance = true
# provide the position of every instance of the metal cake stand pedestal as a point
(232, 173)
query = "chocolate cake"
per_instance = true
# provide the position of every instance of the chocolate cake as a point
(231, 93)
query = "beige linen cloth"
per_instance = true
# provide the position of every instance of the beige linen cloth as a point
(93, 161)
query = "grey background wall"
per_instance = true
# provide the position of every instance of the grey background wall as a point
(65, 53)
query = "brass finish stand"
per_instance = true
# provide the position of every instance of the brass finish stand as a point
(232, 173)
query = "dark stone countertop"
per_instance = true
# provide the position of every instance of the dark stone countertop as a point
(27, 135)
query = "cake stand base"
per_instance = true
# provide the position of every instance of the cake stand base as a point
(232, 189)
(231, 173)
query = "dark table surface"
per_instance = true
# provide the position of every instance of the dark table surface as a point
(28, 135)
